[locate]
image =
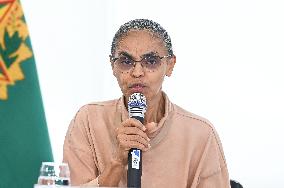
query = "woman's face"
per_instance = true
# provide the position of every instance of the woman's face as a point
(135, 45)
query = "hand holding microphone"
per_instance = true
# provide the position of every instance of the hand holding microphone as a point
(131, 134)
(132, 139)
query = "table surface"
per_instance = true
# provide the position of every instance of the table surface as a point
(61, 186)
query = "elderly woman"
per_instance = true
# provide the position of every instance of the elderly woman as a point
(180, 149)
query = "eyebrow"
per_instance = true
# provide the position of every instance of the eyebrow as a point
(149, 54)
(124, 53)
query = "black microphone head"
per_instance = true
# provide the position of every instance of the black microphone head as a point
(137, 106)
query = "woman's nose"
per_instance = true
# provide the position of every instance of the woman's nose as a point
(138, 70)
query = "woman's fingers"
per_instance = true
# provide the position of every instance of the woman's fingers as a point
(151, 127)
(132, 131)
(131, 134)
(136, 138)
(131, 122)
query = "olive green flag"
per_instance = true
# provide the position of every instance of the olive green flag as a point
(24, 140)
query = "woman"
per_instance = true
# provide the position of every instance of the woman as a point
(180, 149)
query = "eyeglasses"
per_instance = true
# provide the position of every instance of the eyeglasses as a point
(149, 62)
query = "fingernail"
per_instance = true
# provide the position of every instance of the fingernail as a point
(148, 139)
(149, 146)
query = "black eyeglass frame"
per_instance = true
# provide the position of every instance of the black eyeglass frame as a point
(113, 59)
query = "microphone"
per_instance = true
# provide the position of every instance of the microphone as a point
(136, 109)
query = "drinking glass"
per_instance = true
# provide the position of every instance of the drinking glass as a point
(52, 173)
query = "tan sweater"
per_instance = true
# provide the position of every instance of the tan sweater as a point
(185, 148)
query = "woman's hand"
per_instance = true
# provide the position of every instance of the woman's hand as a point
(130, 134)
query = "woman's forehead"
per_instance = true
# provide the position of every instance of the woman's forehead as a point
(141, 41)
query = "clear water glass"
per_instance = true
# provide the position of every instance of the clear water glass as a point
(52, 173)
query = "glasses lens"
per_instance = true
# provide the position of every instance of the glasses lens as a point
(124, 63)
(151, 62)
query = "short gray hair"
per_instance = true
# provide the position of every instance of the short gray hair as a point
(142, 24)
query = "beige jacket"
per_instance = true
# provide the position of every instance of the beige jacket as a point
(185, 148)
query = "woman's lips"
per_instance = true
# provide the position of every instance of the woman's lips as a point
(137, 87)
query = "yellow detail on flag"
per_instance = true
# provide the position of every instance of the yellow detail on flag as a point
(12, 22)
(4, 9)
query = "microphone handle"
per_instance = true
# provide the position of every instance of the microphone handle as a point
(134, 171)
(133, 174)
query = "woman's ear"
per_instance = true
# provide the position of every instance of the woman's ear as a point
(171, 65)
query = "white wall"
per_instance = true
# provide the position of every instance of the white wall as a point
(229, 69)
